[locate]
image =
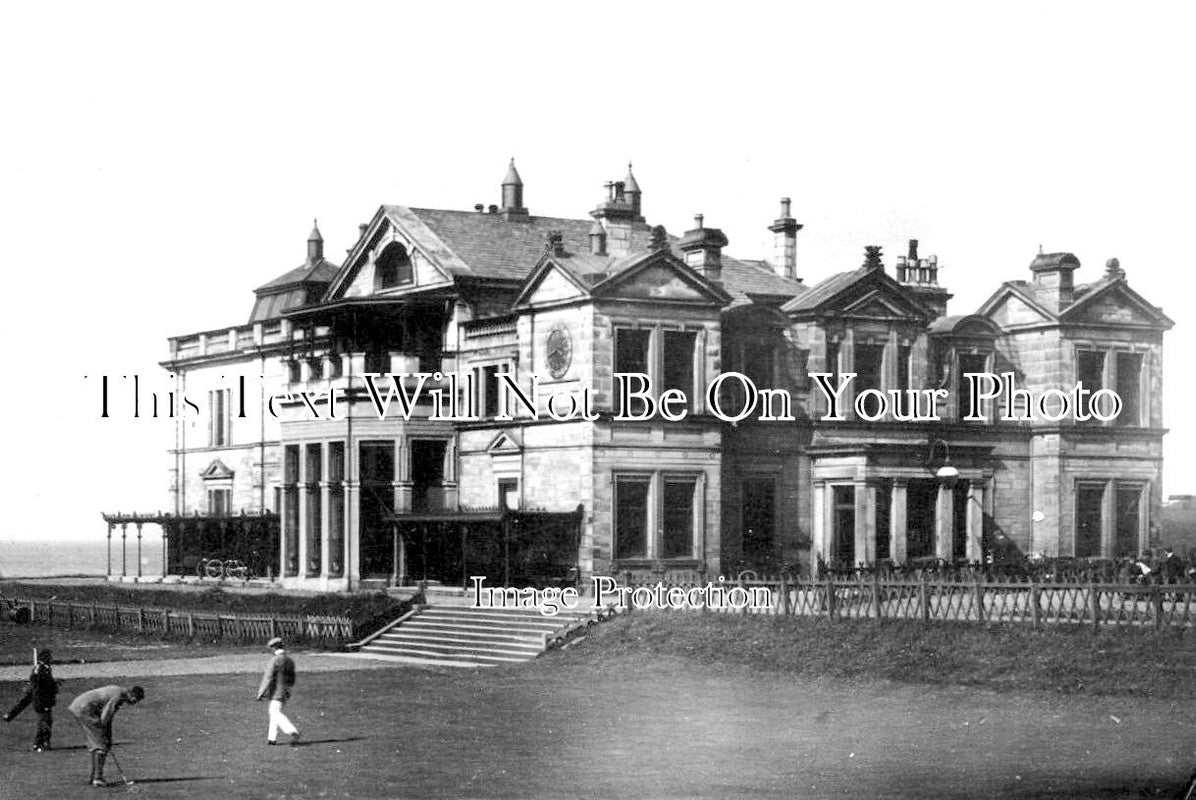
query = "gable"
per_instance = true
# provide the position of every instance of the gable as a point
(660, 278)
(504, 444)
(552, 286)
(1117, 305)
(1011, 310)
(357, 278)
(878, 303)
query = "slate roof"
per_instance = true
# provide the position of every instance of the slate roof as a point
(492, 247)
(323, 271)
(824, 290)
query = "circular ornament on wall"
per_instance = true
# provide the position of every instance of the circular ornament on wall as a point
(560, 351)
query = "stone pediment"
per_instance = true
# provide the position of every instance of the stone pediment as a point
(660, 278)
(506, 443)
(550, 284)
(1009, 309)
(1115, 304)
(217, 470)
(879, 303)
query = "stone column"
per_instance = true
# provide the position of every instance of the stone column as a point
(282, 525)
(403, 485)
(821, 543)
(325, 515)
(943, 521)
(865, 524)
(975, 516)
(302, 500)
(898, 533)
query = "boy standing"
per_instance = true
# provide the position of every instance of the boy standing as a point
(276, 685)
(42, 694)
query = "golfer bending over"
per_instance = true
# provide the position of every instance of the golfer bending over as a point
(276, 685)
(94, 710)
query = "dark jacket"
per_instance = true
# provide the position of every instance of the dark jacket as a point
(278, 679)
(42, 691)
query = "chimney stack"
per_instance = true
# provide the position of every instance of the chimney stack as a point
(784, 231)
(315, 245)
(597, 239)
(1054, 286)
(703, 249)
(619, 214)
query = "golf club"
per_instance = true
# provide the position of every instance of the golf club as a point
(116, 761)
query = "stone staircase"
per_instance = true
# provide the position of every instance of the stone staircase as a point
(459, 635)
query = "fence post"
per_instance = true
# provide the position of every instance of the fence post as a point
(876, 598)
(1157, 597)
(978, 596)
(140, 619)
(1094, 601)
(784, 597)
(190, 625)
(1034, 604)
(273, 626)
(92, 615)
(924, 598)
(830, 598)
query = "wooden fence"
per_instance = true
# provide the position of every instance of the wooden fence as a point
(1094, 604)
(191, 624)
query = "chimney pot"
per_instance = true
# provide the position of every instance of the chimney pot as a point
(493, 209)
(784, 207)
(479, 207)
(698, 218)
(913, 250)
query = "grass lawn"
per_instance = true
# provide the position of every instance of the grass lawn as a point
(615, 717)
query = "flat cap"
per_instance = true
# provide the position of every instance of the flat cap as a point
(275, 642)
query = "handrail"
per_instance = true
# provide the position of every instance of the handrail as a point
(356, 645)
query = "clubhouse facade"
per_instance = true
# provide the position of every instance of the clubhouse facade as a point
(461, 304)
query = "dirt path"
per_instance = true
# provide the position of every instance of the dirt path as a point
(237, 663)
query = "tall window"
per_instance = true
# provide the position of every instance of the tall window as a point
(336, 509)
(219, 401)
(631, 517)
(489, 391)
(631, 355)
(678, 518)
(393, 267)
(968, 363)
(679, 361)
(1129, 376)
(313, 458)
(1090, 371)
(1090, 504)
(869, 361)
(1128, 521)
(290, 507)
(220, 501)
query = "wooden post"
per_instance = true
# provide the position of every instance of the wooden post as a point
(784, 597)
(830, 598)
(190, 625)
(924, 598)
(1094, 601)
(880, 614)
(140, 619)
(978, 597)
(1034, 604)
(1157, 597)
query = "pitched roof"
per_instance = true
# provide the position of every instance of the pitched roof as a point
(490, 246)
(824, 290)
(323, 271)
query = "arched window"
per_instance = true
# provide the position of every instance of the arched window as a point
(393, 267)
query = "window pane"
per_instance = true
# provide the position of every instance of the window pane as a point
(631, 518)
(678, 518)
(1129, 373)
(1089, 513)
(1090, 371)
(679, 361)
(631, 356)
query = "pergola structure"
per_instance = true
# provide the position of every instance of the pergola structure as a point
(251, 539)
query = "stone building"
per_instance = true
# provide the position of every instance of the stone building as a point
(456, 300)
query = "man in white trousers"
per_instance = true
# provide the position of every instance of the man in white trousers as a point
(276, 686)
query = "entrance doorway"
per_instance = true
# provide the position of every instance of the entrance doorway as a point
(920, 514)
(759, 520)
(427, 475)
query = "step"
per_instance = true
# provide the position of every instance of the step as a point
(455, 648)
(457, 643)
(497, 618)
(428, 630)
(466, 627)
(435, 653)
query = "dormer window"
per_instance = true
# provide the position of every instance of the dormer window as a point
(393, 267)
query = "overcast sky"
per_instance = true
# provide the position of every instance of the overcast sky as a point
(159, 163)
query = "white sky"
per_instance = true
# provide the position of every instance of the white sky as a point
(158, 163)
